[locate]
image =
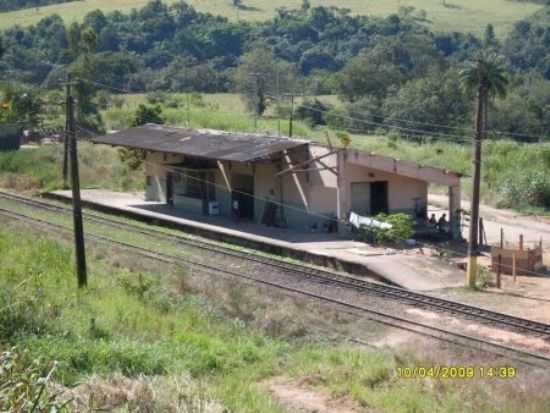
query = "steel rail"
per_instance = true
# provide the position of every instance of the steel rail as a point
(321, 276)
(519, 355)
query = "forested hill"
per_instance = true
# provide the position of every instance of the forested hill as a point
(155, 46)
(385, 68)
(8, 5)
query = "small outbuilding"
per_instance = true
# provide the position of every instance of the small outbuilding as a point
(280, 181)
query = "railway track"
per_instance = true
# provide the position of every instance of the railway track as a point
(469, 342)
(321, 276)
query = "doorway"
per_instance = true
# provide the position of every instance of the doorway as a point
(379, 197)
(243, 196)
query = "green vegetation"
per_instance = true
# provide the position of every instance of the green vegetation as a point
(513, 174)
(216, 111)
(389, 72)
(150, 330)
(400, 231)
(39, 169)
(506, 166)
(27, 389)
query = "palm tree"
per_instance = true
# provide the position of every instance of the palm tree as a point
(486, 77)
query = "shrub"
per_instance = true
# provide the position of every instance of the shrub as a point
(21, 314)
(401, 230)
(483, 277)
(312, 112)
(24, 384)
(520, 188)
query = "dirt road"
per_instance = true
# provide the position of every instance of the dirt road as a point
(513, 223)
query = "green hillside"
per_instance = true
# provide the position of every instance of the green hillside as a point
(454, 15)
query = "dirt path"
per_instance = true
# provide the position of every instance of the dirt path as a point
(299, 398)
(514, 223)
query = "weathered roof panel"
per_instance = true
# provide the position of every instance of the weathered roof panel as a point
(202, 143)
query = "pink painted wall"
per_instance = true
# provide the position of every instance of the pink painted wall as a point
(314, 191)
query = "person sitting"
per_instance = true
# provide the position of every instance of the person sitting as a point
(442, 224)
(432, 221)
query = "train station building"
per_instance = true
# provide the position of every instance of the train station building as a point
(279, 181)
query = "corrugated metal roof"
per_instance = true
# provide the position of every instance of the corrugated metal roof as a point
(203, 143)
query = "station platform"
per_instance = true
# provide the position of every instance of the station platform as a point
(402, 268)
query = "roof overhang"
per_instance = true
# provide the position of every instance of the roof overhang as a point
(201, 143)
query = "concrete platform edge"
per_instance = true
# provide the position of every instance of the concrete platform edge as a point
(334, 263)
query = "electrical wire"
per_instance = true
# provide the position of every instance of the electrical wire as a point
(440, 136)
(417, 131)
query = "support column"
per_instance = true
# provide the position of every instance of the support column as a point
(225, 176)
(342, 192)
(297, 182)
(455, 212)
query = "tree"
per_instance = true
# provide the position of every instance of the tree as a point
(260, 77)
(434, 100)
(489, 37)
(312, 111)
(362, 77)
(144, 114)
(485, 77)
(82, 44)
(20, 104)
(147, 114)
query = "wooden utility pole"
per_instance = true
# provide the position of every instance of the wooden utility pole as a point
(66, 144)
(473, 246)
(499, 271)
(188, 97)
(291, 123)
(70, 137)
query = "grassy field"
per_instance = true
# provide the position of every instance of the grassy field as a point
(137, 340)
(456, 15)
(39, 169)
(224, 111)
(225, 102)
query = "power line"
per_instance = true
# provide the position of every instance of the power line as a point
(181, 172)
(385, 124)
(433, 135)
(417, 131)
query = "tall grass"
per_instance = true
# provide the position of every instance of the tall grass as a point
(40, 169)
(137, 325)
(210, 116)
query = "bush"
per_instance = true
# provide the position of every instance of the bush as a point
(312, 112)
(521, 188)
(401, 230)
(21, 314)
